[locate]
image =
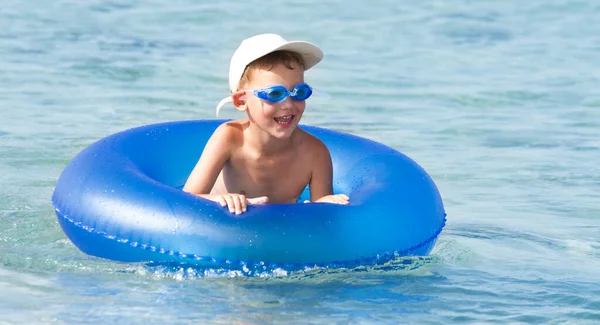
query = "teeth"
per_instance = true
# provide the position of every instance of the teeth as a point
(284, 118)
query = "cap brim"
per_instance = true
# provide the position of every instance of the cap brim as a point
(311, 54)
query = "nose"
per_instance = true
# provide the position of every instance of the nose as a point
(287, 103)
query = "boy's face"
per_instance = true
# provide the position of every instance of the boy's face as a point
(277, 119)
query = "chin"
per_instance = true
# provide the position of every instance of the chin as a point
(284, 134)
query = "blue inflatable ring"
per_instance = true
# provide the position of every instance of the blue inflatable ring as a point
(121, 199)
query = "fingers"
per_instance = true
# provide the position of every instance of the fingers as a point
(243, 202)
(342, 198)
(222, 201)
(337, 199)
(230, 204)
(234, 203)
(258, 200)
(238, 203)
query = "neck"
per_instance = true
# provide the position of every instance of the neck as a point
(266, 143)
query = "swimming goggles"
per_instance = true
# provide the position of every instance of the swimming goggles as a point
(276, 94)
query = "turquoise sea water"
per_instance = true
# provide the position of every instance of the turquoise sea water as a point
(497, 100)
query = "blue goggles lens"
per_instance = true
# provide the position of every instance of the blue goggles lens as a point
(279, 93)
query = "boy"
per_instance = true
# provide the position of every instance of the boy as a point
(265, 157)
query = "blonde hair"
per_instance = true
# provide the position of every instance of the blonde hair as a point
(268, 61)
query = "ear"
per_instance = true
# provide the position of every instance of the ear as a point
(239, 100)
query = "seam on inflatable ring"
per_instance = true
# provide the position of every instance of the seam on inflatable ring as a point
(384, 257)
(428, 240)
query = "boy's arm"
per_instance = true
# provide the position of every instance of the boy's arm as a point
(321, 181)
(215, 154)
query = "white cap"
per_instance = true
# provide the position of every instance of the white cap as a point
(260, 45)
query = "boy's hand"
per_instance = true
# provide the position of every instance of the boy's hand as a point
(235, 202)
(335, 198)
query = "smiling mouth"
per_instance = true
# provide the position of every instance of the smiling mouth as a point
(284, 120)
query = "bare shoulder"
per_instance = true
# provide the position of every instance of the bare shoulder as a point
(224, 140)
(313, 147)
(230, 133)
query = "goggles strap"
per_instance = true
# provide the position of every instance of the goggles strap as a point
(222, 103)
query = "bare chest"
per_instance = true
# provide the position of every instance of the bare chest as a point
(281, 178)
